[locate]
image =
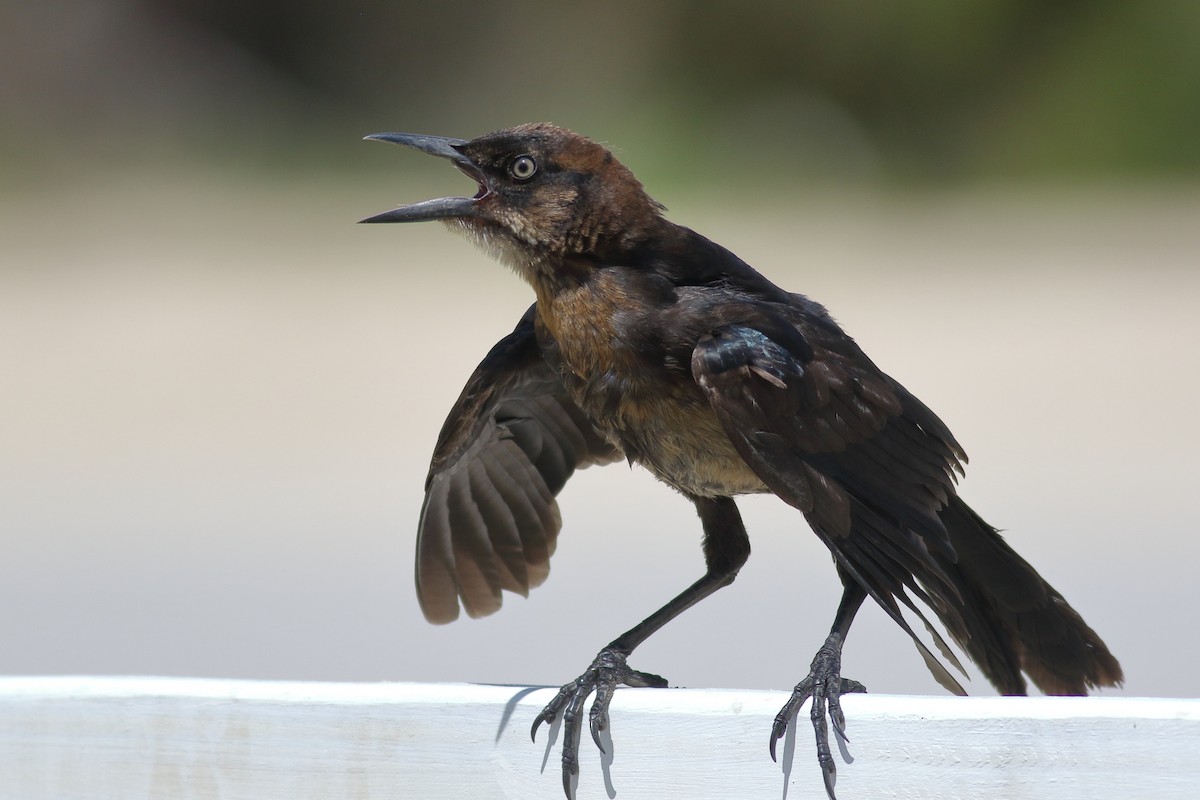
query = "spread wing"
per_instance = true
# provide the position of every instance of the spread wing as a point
(490, 521)
(868, 464)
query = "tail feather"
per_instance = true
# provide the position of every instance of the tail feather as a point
(1013, 621)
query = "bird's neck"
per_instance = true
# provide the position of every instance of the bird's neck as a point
(554, 270)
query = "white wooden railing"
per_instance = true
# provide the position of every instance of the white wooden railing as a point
(66, 738)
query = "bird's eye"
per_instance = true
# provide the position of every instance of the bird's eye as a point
(522, 168)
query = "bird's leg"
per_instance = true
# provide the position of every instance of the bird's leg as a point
(825, 685)
(726, 548)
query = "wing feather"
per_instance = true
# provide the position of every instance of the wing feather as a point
(867, 464)
(474, 559)
(490, 521)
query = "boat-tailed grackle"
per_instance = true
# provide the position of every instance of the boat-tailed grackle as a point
(650, 343)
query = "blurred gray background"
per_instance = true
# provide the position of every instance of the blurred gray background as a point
(220, 395)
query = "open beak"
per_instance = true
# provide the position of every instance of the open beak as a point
(442, 207)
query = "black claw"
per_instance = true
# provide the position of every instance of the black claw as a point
(837, 718)
(551, 711)
(596, 736)
(830, 775)
(598, 718)
(537, 723)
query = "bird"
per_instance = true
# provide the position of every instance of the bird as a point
(649, 343)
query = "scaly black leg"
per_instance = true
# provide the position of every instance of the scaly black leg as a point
(825, 685)
(726, 548)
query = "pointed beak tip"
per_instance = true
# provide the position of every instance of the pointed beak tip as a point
(441, 146)
(439, 208)
(376, 218)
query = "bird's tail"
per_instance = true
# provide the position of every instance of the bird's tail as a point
(1011, 620)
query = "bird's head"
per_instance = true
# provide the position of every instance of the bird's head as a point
(547, 197)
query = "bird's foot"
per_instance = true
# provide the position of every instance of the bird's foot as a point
(607, 672)
(825, 685)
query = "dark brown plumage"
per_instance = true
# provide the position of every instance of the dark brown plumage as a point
(651, 343)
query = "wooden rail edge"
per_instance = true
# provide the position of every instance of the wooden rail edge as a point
(77, 738)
